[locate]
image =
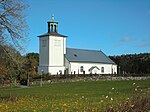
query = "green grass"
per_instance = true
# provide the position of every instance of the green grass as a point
(70, 96)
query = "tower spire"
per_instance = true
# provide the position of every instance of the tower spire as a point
(53, 17)
(52, 25)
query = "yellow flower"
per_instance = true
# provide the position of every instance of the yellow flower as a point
(64, 105)
(111, 99)
(34, 111)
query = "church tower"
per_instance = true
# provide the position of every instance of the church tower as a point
(52, 48)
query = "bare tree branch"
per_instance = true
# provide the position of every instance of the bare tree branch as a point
(13, 28)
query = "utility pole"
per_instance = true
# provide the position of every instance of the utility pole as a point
(41, 78)
(28, 79)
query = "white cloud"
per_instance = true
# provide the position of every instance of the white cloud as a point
(127, 39)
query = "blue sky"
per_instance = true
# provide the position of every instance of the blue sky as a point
(114, 26)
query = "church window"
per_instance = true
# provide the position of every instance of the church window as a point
(60, 71)
(81, 69)
(102, 69)
(43, 43)
(57, 42)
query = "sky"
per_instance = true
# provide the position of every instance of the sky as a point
(116, 27)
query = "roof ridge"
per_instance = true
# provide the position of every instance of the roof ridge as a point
(84, 49)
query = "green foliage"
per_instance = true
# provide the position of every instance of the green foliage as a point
(31, 65)
(33, 56)
(133, 63)
(14, 67)
(10, 63)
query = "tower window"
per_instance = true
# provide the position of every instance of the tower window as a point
(55, 28)
(43, 43)
(51, 28)
(57, 42)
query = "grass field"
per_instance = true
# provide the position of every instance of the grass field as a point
(71, 96)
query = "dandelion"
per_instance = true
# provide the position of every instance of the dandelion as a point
(111, 99)
(133, 84)
(106, 96)
(112, 88)
(82, 96)
(64, 105)
(102, 101)
(135, 89)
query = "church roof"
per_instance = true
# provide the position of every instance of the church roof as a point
(52, 34)
(91, 56)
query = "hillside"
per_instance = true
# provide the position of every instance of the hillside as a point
(133, 63)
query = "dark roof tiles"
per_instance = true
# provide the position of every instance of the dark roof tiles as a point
(92, 56)
(52, 34)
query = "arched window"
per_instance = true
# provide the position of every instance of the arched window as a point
(102, 69)
(52, 28)
(81, 69)
(55, 28)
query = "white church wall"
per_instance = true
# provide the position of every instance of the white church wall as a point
(64, 42)
(76, 68)
(56, 70)
(44, 54)
(56, 51)
(114, 69)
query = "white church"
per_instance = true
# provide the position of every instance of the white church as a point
(56, 58)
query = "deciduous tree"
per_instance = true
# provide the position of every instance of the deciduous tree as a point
(12, 22)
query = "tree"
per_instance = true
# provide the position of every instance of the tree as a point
(10, 64)
(12, 22)
(133, 63)
(13, 30)
(33, 55)
(32, 61)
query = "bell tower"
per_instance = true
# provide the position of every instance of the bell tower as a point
(52, 49)
(52, 25)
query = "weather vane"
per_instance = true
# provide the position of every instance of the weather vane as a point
(53, 17)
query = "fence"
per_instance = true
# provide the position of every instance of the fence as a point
(72, 76)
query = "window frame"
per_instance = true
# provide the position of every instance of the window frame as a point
(44, 43)
(102, 69)
(81, 68)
